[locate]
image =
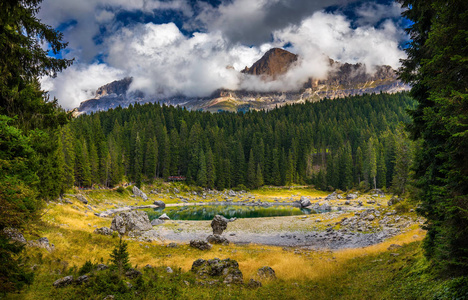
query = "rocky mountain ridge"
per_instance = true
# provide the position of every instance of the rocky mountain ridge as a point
(343, 80)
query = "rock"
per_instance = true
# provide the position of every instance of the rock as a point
(157, 222)
(217, 239)
(137, 192)
(232, 193)
(176, 191)
(325, 207)
(371, 217)
(200, 244)
(226, 270)
(219, 224)
(43, 242)
(394, 200)
(164, 217)
(393, 247)
(82, 279)
(63, 281)
(332, 196)
(104, 231)
(351, 196)
(169, 270)
(14, 234)
(132, 273)
(132, 221)
(254, 284)
(172, 245)
(347, 202)
(304, 202)
(339, 197)
(266, 273)
(159, 203)
(81, 198)
(371, 201)
(101, 267)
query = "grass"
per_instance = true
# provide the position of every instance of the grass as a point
(362, 273)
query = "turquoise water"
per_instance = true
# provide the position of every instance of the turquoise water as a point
(207, 212)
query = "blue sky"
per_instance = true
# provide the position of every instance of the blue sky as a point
(195, 47)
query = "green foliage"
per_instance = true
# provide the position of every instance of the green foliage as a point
(86, 268)
(120, 189)
(437, 68)
(314, 143)
(120, 259)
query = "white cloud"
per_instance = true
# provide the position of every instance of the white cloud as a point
(79, 82)
(165, 62)
(333, 35)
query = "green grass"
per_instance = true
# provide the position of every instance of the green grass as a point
(378, 276)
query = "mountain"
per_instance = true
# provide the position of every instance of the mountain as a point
(343, 80)
(274, 62)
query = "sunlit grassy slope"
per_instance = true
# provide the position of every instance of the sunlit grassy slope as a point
(303, 272)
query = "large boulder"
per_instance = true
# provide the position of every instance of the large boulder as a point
(351, 196)
(132, 221)
(164, 217)
(304, 202)
(138, 193)
(217, 239)
(159, 203)
(219, 224)
(82, 198)
(200, 244)
(63, 281)
(332, 196)
(216, 270)
(266, 273)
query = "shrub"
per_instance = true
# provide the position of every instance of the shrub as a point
(120, 190)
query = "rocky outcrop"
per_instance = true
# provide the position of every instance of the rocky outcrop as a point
(104, 231)
(164, 216)
(200, 244)
(266, 273)
(219, 224)
(138, 193)
(159, 203)
(216, 271)
(133, 221)
(62, 282)
(274, 62)
(15, 235)
(81, 198)
(304, 202)
(217, 239)
(43, 242)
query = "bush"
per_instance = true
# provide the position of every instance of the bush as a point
(86, 268)
(120, 190)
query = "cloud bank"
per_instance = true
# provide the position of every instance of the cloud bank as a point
(165, 60)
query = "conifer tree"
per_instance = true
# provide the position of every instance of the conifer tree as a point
(201, 176)
(120, 259)
(251, 174)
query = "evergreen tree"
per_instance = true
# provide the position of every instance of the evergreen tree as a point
(251, 174)
(138, 161)
(437, 69)
(210, 170)
(258, 177)
(151, 158)
(201, 176)
(120, 259)
(372, 162)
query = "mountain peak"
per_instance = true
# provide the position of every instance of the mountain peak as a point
(274, 62)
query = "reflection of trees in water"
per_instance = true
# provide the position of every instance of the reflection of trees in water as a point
(207, 212)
